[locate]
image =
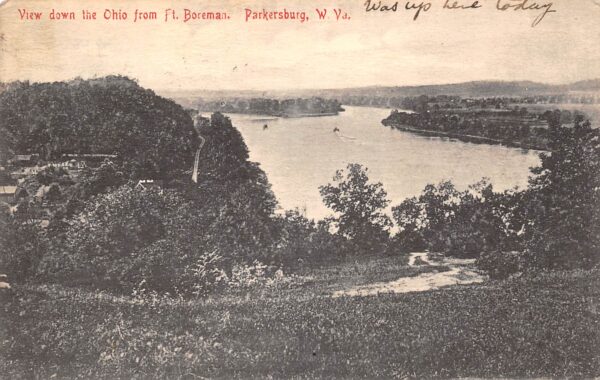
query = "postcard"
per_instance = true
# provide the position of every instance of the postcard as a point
(299, 189)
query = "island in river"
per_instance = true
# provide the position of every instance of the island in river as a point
(298, 107)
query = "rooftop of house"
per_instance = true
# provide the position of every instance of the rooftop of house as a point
(8, 190)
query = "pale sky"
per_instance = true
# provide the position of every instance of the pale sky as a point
(374, 48)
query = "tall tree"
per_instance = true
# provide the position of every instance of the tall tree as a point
(564, 200)
(359, 206)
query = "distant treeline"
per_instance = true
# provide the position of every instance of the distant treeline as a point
(486, 102)
(274, 107)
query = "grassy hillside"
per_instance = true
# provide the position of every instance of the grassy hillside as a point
(548, 326)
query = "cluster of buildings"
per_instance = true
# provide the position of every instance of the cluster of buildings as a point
(22, 166)
(14, 190)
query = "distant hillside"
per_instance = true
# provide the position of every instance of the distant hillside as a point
(468, 89)
(591, 85)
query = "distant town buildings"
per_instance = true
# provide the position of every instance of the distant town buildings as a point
(37, 204)
(72, 165)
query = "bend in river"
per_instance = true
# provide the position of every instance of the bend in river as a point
(301, 154)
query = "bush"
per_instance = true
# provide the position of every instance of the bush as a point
(405, 242)
(168, 267)
(22, 245)
(500, 265)
(303, 241)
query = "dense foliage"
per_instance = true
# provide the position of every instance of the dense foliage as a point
(112, 234)
(22, 246)
(553, 224)
(105, 231)
(459, 223)
(129, 238)
(234, 193)
(306, 243)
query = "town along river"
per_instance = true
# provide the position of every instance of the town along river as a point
(301, 154)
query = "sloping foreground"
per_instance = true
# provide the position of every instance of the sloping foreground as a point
(540, 327)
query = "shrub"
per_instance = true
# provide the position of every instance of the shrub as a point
(22, 245)
(303, 241)
(168, 267)
(500, 265)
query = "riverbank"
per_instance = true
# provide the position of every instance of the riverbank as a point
(547, 326)
(310, 115)
(271, 116)
(467, 138)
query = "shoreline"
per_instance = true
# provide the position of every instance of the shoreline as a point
(465, 138)
(282, 115)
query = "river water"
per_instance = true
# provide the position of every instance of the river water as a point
(301, 154)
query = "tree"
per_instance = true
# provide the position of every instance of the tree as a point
(22, 245)
(359, 207)
(563, 230)
(302, 240)
(458, 223)
(91, 182)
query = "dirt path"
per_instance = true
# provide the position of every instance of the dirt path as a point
(460, 273)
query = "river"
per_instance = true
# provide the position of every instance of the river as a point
(301, 154)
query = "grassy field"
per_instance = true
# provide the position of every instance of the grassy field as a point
(548, 326)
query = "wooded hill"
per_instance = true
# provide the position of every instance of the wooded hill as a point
(111, 115)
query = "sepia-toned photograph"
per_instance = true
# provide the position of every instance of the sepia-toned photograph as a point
(299, 189)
